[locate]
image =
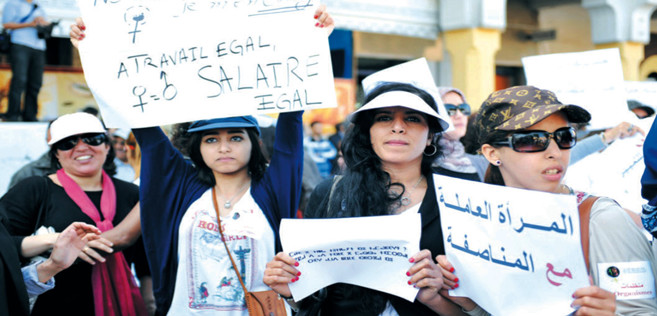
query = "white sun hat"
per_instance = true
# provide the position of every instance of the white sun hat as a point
(415, 72)
(74, 124)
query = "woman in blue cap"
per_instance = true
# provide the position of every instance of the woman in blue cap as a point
(192, 273)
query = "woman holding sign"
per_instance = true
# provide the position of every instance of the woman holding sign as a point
(230, 181)
(525, 134)
(388, 152)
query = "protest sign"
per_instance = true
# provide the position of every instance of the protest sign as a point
(642, 91)
(591, 79)
(156, 62)
(615, 172)
(528, 240)
(363, 249)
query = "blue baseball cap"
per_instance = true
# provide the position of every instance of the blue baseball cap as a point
(225, 122)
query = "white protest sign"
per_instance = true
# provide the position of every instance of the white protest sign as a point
(591, 79)
(528, 240)
(615, 172)
(156, 62)
(642, 91)
(353, 250)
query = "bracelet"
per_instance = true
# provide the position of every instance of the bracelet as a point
(604, 138)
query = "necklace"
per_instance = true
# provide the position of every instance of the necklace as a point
(228, 203)
(405, 201)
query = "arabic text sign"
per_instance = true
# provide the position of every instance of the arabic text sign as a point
(529, 240)
(363, 249)
(155, 62)
(592, 80)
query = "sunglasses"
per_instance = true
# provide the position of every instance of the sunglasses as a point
(463, 107)
(90, 139)
(535, 141)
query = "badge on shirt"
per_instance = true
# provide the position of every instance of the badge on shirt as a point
(627, 280)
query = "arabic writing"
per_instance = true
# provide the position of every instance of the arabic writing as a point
(497, 254)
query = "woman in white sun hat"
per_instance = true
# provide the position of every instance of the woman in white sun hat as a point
(80, 191)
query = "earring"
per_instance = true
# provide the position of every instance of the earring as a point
(433, 152)
(498, 163)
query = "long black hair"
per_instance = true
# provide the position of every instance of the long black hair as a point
(364, 189)
(192, 146)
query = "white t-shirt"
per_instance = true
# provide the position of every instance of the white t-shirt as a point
(206, 283)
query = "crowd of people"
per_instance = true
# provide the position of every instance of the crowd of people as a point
(197, 212)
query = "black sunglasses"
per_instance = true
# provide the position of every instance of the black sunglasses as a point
(90, 139)
(535, 141)
(463, 107)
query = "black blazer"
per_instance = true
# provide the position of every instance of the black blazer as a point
(13, 295)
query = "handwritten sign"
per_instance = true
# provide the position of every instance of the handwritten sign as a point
(642, 91)
(353, 250)
(623, 167)
(529, 240)
(591, 79)
(156, 62)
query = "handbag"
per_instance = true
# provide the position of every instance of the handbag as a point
(45, 31)
(262, 303)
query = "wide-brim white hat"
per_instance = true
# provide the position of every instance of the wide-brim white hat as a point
(74, 124)
(403, 99)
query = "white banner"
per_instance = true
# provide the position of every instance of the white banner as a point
(353, 250)
(156, 62)
(516, 252)
(591, 79)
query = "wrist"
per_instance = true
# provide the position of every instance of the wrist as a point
(604, 138)
(46, 270)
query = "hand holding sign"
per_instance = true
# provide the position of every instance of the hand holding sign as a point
(161, 72)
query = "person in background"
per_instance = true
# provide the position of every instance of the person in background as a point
(455, 162)
(532, 152)
(639, 109)
(599, 141)
(124, 170)
(388, 151)
(40, 167)
(336, 138)
(27, 57)
(320, 149)
(649, 182)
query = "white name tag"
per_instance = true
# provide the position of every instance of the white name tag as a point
(628, 280)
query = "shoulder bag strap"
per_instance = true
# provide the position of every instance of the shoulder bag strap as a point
(584, 216)
(34, 7)
(216, 209)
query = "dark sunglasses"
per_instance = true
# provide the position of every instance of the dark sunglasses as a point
(90, 139)
(535, 141)
(463, 107)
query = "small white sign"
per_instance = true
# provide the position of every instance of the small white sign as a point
(353, 250)
(591, 79)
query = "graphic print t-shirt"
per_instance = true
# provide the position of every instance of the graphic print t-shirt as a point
(206, 282)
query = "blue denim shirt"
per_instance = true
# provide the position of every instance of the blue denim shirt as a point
(31, 278)
(13, 12)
